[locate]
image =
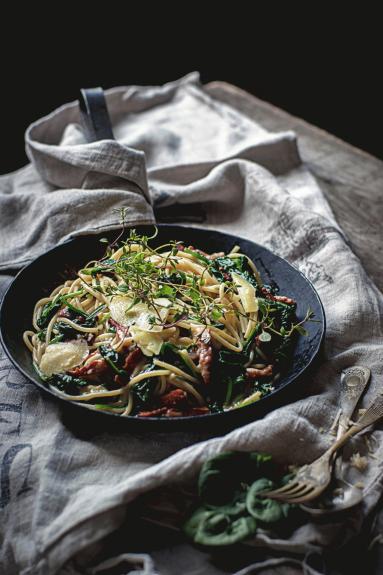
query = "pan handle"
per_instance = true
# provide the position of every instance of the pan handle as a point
(96, 124)
(94, 115)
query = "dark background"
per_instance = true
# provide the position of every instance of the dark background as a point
(329, 78)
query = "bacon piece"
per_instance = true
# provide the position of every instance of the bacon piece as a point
(153, 412)
(194, 355)
(198, 411)
(122, 331)
(132, 359)
(187, 412)
(175, 398)
(119, 380)
(173, 413)
(90, 338)
(281, 298)
(198, 251)
(91, 371)
(64, 312)
(168, 412)
(205, 354)
(284, 299)
(226, 276)
(253, 372)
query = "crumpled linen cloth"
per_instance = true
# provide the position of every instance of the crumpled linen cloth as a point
(62, 492)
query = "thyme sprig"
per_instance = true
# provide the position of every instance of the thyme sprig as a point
(145, 274)
(145, 280)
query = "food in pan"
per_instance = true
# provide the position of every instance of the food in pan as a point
(163, 332)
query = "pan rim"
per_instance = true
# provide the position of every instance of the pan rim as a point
(220, 416)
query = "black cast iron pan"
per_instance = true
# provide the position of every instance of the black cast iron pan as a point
(40, 277)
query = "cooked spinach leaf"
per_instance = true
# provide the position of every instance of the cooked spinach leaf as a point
(169, 354)
(112, 358)
(48, 311)
(50, 308)
(230, 373)
(68, 383)
(264, 385)
(63, 330)
(143, 391)
(42, 334)
(224, 265)
(232, 358)
(67, 331)
(214, 405)
(234, 385)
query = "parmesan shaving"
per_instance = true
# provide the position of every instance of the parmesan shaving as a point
(140, 314)
(246, 292)
(62, 356)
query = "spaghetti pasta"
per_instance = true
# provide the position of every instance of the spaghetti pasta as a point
(166, 331)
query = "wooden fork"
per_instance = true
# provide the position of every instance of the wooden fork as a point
(311, 480)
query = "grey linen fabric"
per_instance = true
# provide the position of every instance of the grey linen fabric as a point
(61, 490)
